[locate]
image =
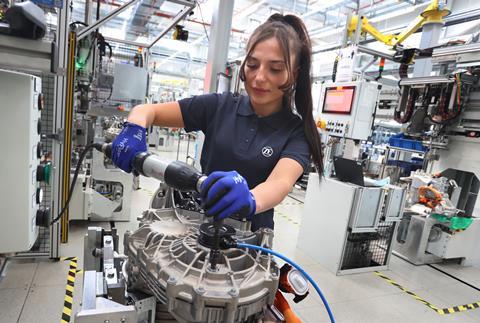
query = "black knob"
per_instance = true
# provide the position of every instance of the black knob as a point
(43, 172)
(42, 217)
(39, 150)
(40, 173)
(39, 126)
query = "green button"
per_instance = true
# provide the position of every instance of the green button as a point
(47, 172)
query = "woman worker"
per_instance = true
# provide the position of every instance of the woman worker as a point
(256, 146)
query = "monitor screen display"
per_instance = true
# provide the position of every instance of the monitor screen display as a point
(338, 99)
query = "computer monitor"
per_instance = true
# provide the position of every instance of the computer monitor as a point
(348, 170)
(338, 99)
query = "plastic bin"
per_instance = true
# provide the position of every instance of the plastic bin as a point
(401, 142)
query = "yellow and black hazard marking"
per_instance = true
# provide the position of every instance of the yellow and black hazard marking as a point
(441, 311)
(68, 300)
(459, 308)
(415, 296)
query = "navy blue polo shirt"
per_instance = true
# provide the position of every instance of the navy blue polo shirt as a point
(237, 139)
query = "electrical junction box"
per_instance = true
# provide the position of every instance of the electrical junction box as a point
(20, 192)
(347, 108)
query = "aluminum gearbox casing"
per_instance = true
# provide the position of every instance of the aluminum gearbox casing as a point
(166, 260)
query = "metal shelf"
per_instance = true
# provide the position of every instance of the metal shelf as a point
(406, 150)
(28, 55)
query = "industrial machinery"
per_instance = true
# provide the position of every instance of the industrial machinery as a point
(23, 165)
(359, 231)
(434, 13)
(24, 19)
(237, 291)
(105, 90)
(431, 20)
(428, 122)
(429, 103)
(103, 192)
(438, 117)
(183, 287)
(346, 109)
(178, 265)
(438, 223)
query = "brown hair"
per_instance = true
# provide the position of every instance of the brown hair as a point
(292, 36)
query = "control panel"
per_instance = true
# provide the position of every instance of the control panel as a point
(337, 128)
(347, 108)
(21, 194)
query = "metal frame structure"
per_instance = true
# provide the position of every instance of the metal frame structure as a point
(450, 53)
(67, 102)
(58, 126)
(28, 55)
(182, 14)
(48, 57)
(67, 138)
(189, 5)
(85, 32)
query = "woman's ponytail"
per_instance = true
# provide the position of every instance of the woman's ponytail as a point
(303, 90)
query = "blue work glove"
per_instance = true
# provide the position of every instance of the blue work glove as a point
(131, 141)
(225, 194)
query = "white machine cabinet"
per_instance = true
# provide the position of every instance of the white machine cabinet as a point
(366, 207)
(348, 107)
(349, 228)
(88, 203)
(20, 164)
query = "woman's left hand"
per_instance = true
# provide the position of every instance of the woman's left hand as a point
(227, 193)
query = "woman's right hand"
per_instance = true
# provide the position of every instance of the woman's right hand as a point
(131, 141)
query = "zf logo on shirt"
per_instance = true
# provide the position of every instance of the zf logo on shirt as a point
(267, 151)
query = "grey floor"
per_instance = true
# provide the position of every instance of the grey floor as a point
(34, 291)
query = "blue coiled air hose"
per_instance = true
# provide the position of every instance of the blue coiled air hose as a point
(276, 254)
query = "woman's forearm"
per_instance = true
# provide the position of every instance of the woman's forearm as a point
(280, 182)
(142, 115)
(157, 114)
(270, 193)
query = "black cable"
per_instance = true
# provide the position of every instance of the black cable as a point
(109, 95)
(294, 198)
(454, 277)
(78, 23)
(74, 180)
(109, 48)
(375, 110)
(98, 10)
